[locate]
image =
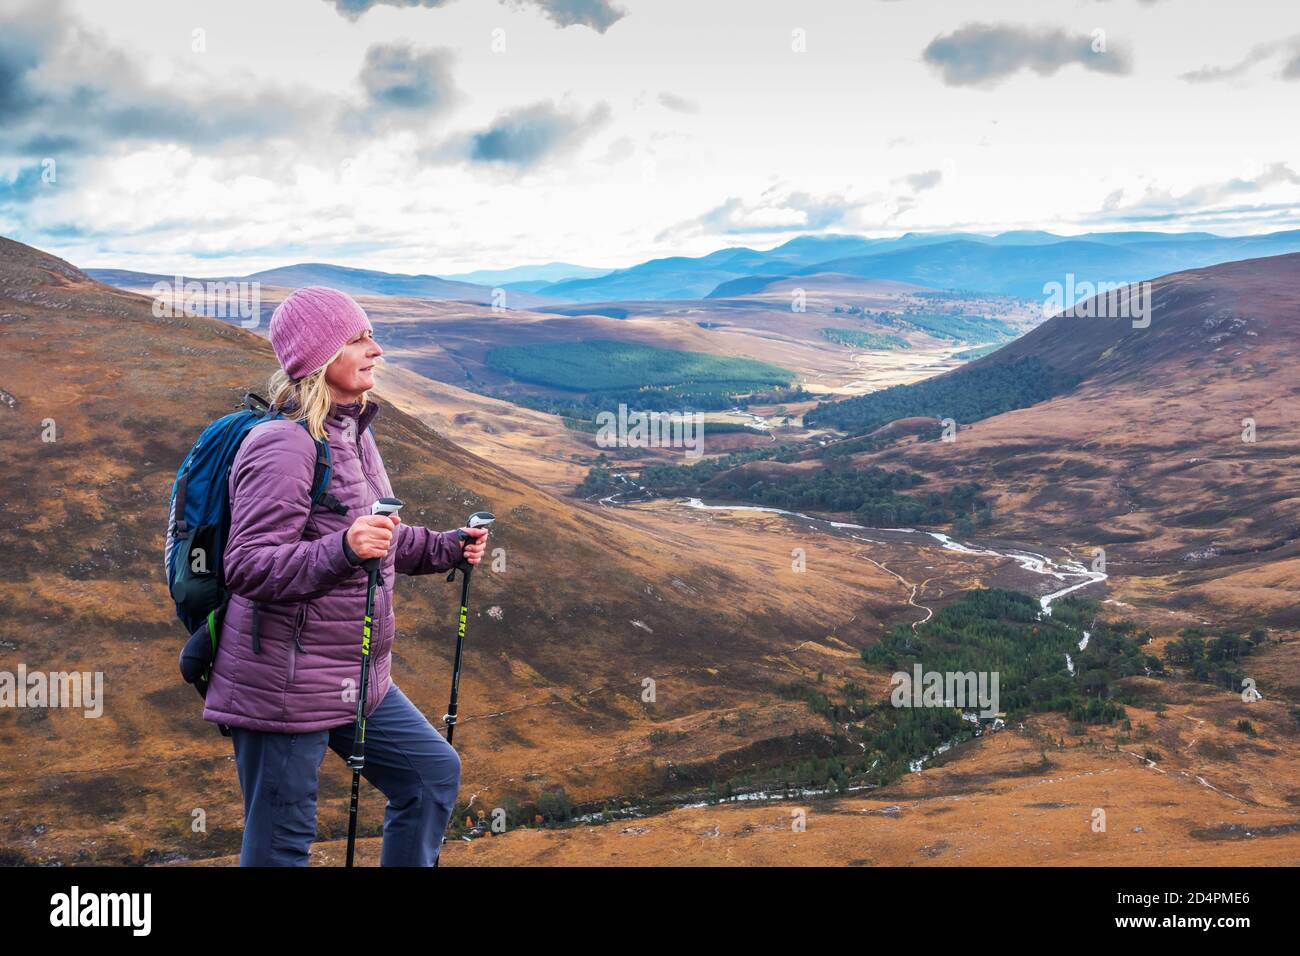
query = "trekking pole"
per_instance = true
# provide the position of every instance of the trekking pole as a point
(384, 506)
(479, 519)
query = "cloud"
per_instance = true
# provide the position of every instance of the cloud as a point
(1205, 200)
(600, 15)
(25, 37)
(1275, 174)
(773, 212)
(401, 88)
(65, 92)
(984, 54)
(678, 104)
(924, 180)
(1290, 47)
(353, 9)
(526, 136)
(917, 183)
(397, 77)
(23, 187)
(782, 210)
(619, 150)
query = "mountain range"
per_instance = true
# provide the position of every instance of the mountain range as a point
(1017, 263)
(345, 279)
(1011, 263)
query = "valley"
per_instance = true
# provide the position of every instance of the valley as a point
(758, 620)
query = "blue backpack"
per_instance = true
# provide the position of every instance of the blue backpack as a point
(198, 524)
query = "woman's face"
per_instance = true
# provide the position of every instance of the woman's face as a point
(353, 372)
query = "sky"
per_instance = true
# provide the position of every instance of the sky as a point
(220, 137)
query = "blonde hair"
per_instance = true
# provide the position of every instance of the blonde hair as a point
(306, 399)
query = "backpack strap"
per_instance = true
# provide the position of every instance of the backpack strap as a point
(321, 479)
(181, 526)
(321, 471)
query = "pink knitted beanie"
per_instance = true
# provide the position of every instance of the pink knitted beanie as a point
(311, 324)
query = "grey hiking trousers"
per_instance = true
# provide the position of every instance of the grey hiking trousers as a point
(406, 759)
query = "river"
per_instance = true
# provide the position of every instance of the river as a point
(1069, 572)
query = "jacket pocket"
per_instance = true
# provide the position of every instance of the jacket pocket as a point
(295, 645)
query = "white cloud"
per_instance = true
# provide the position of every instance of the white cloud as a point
(409, 139)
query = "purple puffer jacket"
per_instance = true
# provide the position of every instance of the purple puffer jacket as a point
(303, 670)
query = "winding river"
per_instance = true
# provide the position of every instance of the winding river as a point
(1069, 573)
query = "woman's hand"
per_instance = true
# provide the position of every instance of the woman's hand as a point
(477, 544)
(371, 535)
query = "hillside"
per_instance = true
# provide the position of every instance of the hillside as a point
(590, 602)
(1145, 455)
(1172, 445)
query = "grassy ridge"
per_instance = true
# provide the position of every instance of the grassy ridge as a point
(966, 395)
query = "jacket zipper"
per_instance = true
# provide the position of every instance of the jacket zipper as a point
(361, 456)
(298, 623)
(297, 644)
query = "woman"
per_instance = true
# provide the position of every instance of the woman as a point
(288, 664)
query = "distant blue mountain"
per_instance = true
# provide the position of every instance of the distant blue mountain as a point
(1023, 270)
(368, 281)
(351, 281)
(1012, 263)
(518, 277)
(685, 277)
(676, 277)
